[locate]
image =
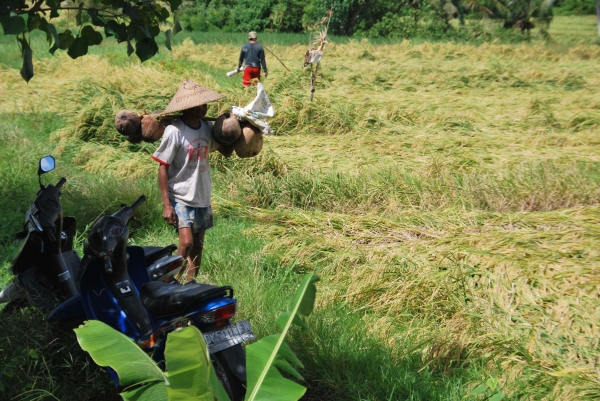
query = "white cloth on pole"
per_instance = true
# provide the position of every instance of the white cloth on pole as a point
(233, 72)
(257, 110)
(315, 56)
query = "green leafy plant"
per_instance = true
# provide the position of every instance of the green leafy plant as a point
(488, 391)
(186, 357)
(267, 356)
(189, 373)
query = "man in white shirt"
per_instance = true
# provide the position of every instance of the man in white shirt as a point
(184, 171)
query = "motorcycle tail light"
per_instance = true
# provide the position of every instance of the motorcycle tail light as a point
(147, 343)
(222, 313)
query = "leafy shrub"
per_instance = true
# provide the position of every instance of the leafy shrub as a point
(411, 22)
(378, 18)
(286, 16)
(352, 16)
(250, 15)
(203, 18)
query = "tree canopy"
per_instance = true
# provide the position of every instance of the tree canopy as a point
(134, 22)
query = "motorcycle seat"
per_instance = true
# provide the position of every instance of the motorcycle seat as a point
(166, 299)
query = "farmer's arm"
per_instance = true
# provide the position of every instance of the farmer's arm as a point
(164, 155)
(241, 59)
(163, 184)
(263, 60)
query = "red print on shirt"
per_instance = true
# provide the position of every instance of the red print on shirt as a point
(199, 153)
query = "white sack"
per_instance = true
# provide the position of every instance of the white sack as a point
(232, 73)
(258, 109)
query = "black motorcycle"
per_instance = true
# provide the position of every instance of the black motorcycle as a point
(46, 268)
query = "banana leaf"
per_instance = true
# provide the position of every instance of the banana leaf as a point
(265, 358)
(189, 370)
(138, 374)
(189, 375)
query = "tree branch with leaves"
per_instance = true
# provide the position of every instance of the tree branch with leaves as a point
(135, 22)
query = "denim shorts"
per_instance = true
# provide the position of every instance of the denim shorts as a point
(197, 218)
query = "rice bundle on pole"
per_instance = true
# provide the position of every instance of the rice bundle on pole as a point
(226, 129)
(250, 143)
(141, 127)
(128, 123)
(314, 53)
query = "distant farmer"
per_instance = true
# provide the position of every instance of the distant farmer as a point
(253, 57)
(184, 171)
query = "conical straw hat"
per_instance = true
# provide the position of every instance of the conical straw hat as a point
(189, 95)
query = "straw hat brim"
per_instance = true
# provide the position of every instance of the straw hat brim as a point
(190, 95)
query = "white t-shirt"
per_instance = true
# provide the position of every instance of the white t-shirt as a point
(185, 151)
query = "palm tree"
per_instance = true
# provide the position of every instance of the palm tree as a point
(516, 12)
(525, 10)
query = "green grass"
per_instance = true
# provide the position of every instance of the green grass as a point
(574, 29)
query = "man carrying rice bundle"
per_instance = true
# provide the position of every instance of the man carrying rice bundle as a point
(253, 57)
(184, 171)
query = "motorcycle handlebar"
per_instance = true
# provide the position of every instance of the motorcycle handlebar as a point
(138, 202)
(61, 182)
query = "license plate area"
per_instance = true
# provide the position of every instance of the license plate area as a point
(228, 336)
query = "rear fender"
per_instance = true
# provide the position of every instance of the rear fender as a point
(207, 306)
(194, 313)
(153, 253)
(157, 271)
(235, 358)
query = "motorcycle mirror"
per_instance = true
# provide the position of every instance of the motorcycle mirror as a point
(47, 163)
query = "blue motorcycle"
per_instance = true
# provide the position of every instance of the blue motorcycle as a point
(116, 289)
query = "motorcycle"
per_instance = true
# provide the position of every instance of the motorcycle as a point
(116, 289)
(130, 288)
(46, 268)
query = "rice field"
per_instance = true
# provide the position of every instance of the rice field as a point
(447, 194)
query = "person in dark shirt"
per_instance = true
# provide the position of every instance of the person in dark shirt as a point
(253, 57)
